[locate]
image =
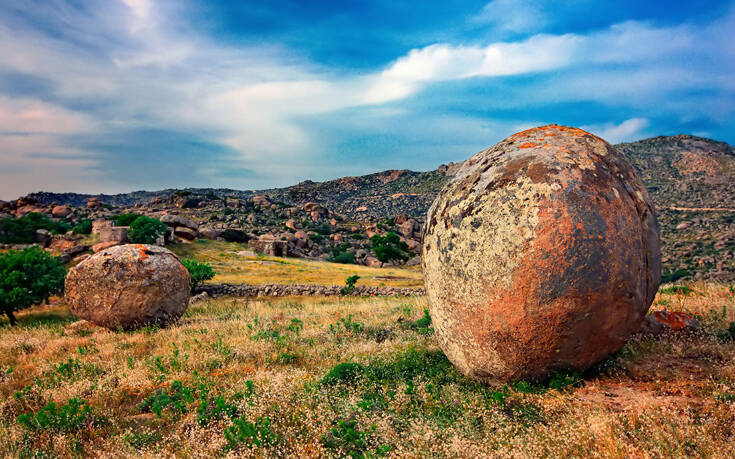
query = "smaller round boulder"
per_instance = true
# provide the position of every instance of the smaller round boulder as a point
(129, 286)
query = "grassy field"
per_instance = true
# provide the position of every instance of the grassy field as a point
(234, 268)
(360, 377)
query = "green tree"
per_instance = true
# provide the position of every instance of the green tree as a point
(146, 230)
(28, 277)
(125, 219)
(199, 272)
(349, 285)
(389, 247)
(23, 230)
(83, 227)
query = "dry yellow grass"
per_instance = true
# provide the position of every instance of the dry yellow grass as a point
(668, 396)
(233, 268)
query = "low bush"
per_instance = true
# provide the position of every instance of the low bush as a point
(199, 272)
(257, 433)
(68, 417)
(83, 227)
(146, 230)
(349, 285)
(389, 247)
(23, 230)
(125, 219)
(233, 235)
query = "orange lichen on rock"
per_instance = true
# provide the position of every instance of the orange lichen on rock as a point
(116, 289)
(540, 259)
(141, 251)
(674, 320)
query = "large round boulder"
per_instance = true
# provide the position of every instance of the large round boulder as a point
(542, 254)
(129, 286)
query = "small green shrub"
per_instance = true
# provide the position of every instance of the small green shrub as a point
(325, 229)
(243, 431)
(673, 276)
(213, 408)
(146, 230)
(349, 285)
(346, 437)
(677, 289)
(199, 272)
(345, 372)
(346, 326)
(233, 235)
(339, 255)
(422, 325)
(83, 227)
(173, 399)
(140, 440)
(69, 417)
(728, 334)
(389, 247)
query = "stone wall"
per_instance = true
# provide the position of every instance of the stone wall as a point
(215, 290)
(118, 234)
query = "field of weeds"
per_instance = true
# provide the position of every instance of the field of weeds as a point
(234, 264)
(355, 377)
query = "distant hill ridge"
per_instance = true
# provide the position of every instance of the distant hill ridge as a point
(680, 170)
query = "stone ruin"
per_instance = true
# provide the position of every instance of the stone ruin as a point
(269, 246)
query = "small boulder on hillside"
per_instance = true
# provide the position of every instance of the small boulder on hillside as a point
(129, 286)
(177, 220)
(185, 233)
(61, 211)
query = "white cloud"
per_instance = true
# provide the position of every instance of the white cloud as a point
(139, 67)
(626, 131)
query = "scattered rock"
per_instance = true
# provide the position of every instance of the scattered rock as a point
(683, 225)
(176, 221)
(660, 321)
(129, 286)
(103, 245)
(209, 232)
(542, 254)
(185, 233)
(61, 211)
(82, 327)
(94, 203)
(43, 237)
(198, 298)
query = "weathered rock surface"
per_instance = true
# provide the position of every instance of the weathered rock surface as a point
(61, 211)
(177, 220)
(542, 254)
(129, 286)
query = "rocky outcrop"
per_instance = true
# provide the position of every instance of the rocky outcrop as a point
(177, 220)
(542, 254)
(128, 286)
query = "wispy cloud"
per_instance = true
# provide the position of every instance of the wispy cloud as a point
(123, 70)
(626, 131)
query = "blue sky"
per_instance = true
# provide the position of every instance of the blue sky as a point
(124, 95)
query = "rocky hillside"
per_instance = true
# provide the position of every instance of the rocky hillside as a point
(691, 180)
